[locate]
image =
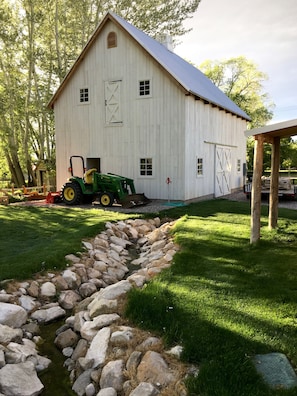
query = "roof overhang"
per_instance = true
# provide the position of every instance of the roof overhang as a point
(268, 132)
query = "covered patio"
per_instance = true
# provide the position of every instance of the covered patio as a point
(268, 134)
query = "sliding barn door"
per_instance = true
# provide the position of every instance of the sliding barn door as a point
(222, 171)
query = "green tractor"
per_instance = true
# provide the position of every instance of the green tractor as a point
(107, 188)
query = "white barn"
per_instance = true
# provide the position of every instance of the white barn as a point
(130, 106)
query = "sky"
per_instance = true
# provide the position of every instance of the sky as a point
(264, 31)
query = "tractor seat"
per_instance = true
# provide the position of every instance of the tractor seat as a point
(88, 176)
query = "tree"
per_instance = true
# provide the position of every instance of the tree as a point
(242, 82)
(39, 41)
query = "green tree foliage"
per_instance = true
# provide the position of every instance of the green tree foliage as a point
(240, 79)
(39, 41)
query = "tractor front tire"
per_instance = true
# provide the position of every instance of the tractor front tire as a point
(106, 199)
(71, 194)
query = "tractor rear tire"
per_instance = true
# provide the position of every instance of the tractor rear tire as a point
(106, 199)
(71, 194)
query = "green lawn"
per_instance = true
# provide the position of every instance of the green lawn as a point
(35, 238)
(223, 299)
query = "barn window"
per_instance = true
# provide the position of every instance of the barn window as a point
(199, 166)
(112, 40)
(144, 88)
(238, 165)
(146, 166)
(84, 95)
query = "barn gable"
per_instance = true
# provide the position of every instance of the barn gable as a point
(130, 106)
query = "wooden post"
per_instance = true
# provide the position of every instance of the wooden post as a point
(256, 190)
(274, 183)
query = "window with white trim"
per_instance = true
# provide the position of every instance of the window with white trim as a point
(199, 167)
(146, 166)
(144, 88)
(238, 165)
(84, 95)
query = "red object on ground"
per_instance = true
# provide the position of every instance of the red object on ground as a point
(53, 197)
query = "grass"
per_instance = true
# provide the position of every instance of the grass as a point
(34, 238)
(225, 300)
(222, 299)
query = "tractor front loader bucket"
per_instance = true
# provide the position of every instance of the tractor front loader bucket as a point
(132, 200)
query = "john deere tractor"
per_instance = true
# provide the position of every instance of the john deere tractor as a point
(106, 188)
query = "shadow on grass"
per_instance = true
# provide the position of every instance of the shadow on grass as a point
(225, 300)
(33, 239)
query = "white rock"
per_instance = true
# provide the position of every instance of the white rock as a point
(93, 273)
(12, 315)
(68, 299)
(68, 351)
(48, 289)
(90, 328)
(121, 336)
(107, 392)
(79, 320)
(116, 290)
(87, 289)
(8, 334)
(143, 261)
(20, 380)
(100, 256)
(28, 303)
(48, 315)
(136, 280)
(112, 375)
(71, 278)
(100, 266)
(101, 241)
(72, 258)
(120, 241)
(102, 306)
(117, 248)
(98, 348)
(87, 245)
(145, 389)
(117, 273)
(18, 353)
(176, 351)
(154, 369)
(79, 386)
(90, 390)
(42, 363)
(6, 298)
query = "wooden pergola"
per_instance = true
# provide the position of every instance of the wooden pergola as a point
(268, 134)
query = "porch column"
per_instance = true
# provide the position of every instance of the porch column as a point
(256, 190)
(274, 181)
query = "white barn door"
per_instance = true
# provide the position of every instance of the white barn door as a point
(113, 102)
(222, 171)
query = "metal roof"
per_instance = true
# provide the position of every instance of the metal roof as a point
(188, 76)
(281, 129)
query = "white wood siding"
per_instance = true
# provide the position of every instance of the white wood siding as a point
(207, 127)
(152, 127)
